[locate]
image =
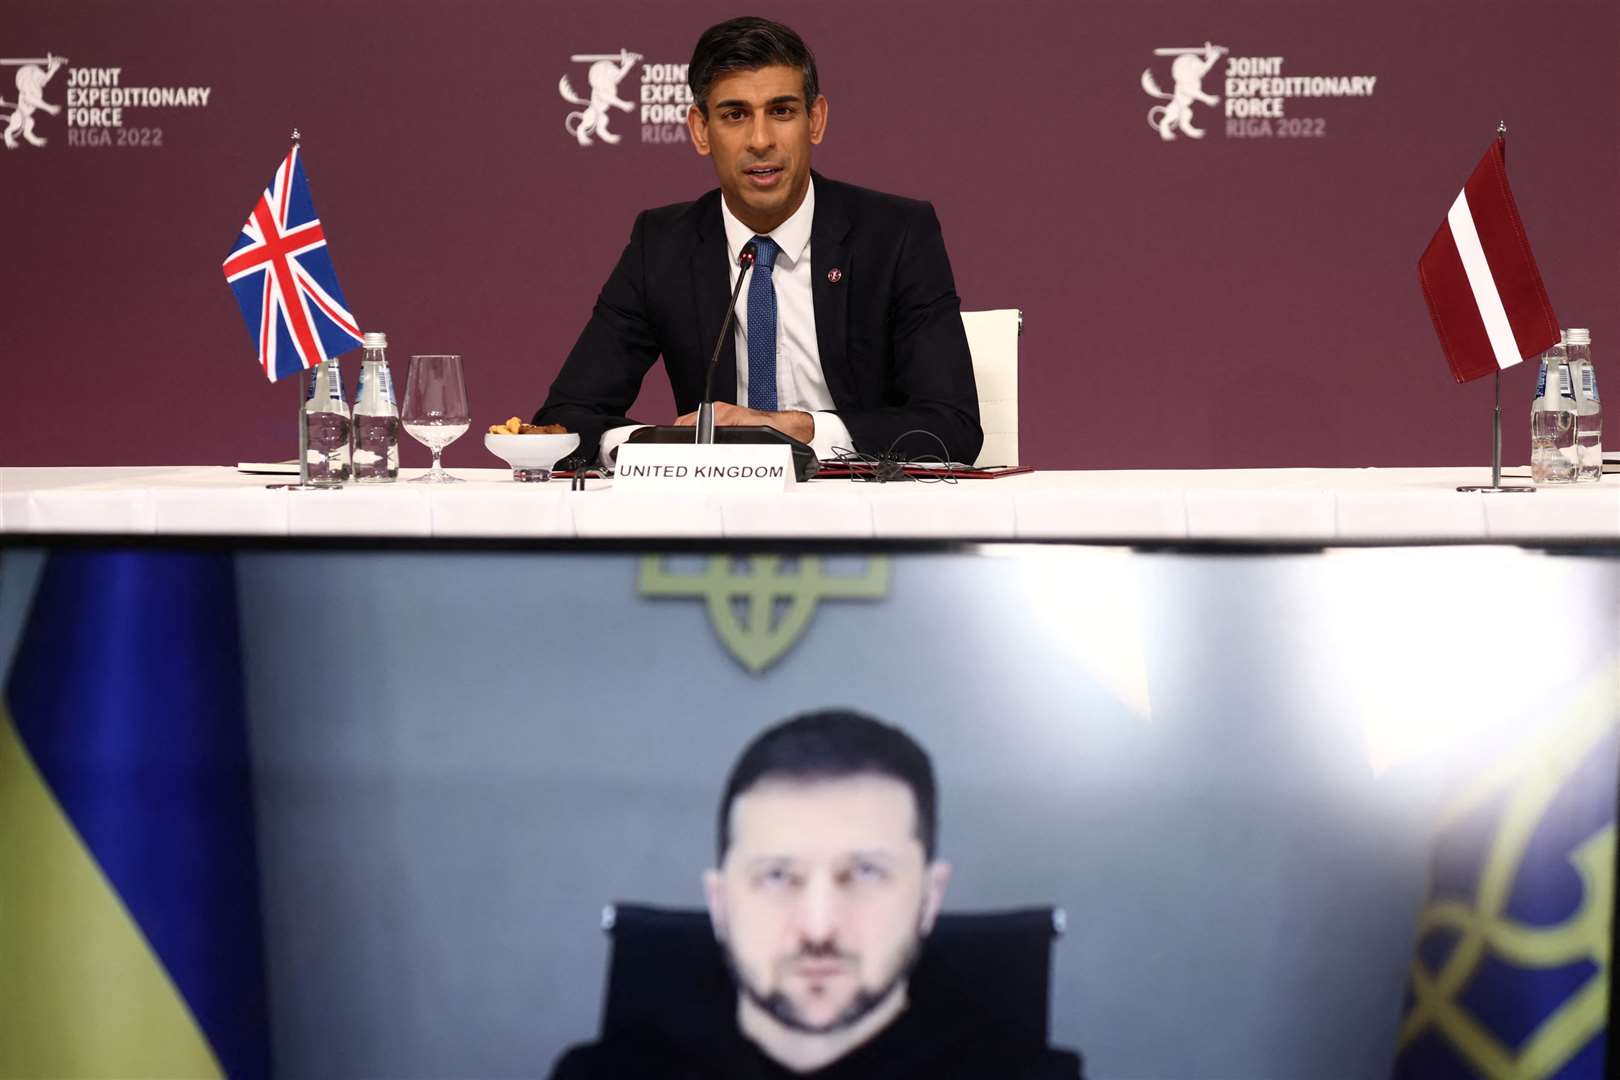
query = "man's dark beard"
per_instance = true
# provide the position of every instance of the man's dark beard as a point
(778, 1005)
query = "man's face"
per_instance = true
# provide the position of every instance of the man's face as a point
(759, 132)
(824, 897)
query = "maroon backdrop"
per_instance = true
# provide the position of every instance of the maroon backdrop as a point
(1217, 302)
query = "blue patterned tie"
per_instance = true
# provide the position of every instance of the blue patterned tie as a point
(762, 328)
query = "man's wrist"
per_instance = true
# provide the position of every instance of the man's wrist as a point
(830, 435)
(612, 439)
(794, 423)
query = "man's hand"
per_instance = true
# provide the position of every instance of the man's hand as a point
(793, 423)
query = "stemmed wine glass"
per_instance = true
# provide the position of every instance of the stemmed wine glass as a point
(435, 411)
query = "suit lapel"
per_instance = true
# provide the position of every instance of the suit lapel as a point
(830, 250)
(711, 288)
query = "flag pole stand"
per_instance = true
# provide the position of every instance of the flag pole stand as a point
(303, 446)
(303, 423)
(1496, 486)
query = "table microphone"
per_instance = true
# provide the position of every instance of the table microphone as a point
(705, 413)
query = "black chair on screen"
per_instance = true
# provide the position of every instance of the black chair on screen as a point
(667, 980)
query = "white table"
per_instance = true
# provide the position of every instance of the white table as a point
(1243, 505)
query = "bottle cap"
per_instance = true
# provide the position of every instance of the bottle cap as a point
(375, 340)
(1575, 336)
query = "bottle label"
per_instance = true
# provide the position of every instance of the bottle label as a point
(375, 395)
(1589, 382)
(1541, 381)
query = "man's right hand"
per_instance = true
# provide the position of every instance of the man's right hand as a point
(792, 423)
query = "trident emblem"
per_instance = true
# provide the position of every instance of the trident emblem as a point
(760, 606)
(1483, 928)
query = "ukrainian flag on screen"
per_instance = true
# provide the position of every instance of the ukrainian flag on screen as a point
(1511, 977)
(130, 934)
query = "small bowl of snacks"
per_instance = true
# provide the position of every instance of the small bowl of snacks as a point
(532, 451)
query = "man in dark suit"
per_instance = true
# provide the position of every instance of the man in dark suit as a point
(849, 330)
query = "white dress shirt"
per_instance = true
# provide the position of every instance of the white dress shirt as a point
(800, 382)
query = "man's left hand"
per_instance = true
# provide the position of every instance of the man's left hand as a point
(792, 423)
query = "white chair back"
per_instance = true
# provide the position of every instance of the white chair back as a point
(993, 341)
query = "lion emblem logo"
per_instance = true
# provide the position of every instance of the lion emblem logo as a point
(1187, 73)
(603, 77)
(31, 80)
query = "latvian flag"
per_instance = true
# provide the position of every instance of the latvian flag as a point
(1480, 279)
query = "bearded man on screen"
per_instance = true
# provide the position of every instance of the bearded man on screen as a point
(826, 886)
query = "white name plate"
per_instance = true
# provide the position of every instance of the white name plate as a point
(717, 468)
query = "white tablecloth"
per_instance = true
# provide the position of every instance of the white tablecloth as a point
(1243, 505)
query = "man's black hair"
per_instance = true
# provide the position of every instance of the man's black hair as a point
(830, 745)
(748, 44)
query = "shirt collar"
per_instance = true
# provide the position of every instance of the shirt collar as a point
(792, 236)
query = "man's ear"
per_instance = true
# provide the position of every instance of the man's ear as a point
(714, 895)
(818, 120)
(697, 126)
(936, 877)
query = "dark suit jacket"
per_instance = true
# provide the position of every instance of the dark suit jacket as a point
(889, 330)
(921, 1045)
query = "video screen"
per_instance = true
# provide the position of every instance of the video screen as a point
(413, 813)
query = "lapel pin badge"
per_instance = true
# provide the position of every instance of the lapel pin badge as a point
(835, 275)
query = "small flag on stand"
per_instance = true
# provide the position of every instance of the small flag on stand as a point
(131, 941)
(282, 275)
(1480, 280)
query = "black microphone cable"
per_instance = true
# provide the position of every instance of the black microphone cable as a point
(890, 465)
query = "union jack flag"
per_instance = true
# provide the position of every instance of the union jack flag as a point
(283, 279)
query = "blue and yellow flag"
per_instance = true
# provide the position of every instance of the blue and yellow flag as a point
(1512, 969)
(130, 931)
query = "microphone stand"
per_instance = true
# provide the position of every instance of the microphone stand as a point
(705, 412)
